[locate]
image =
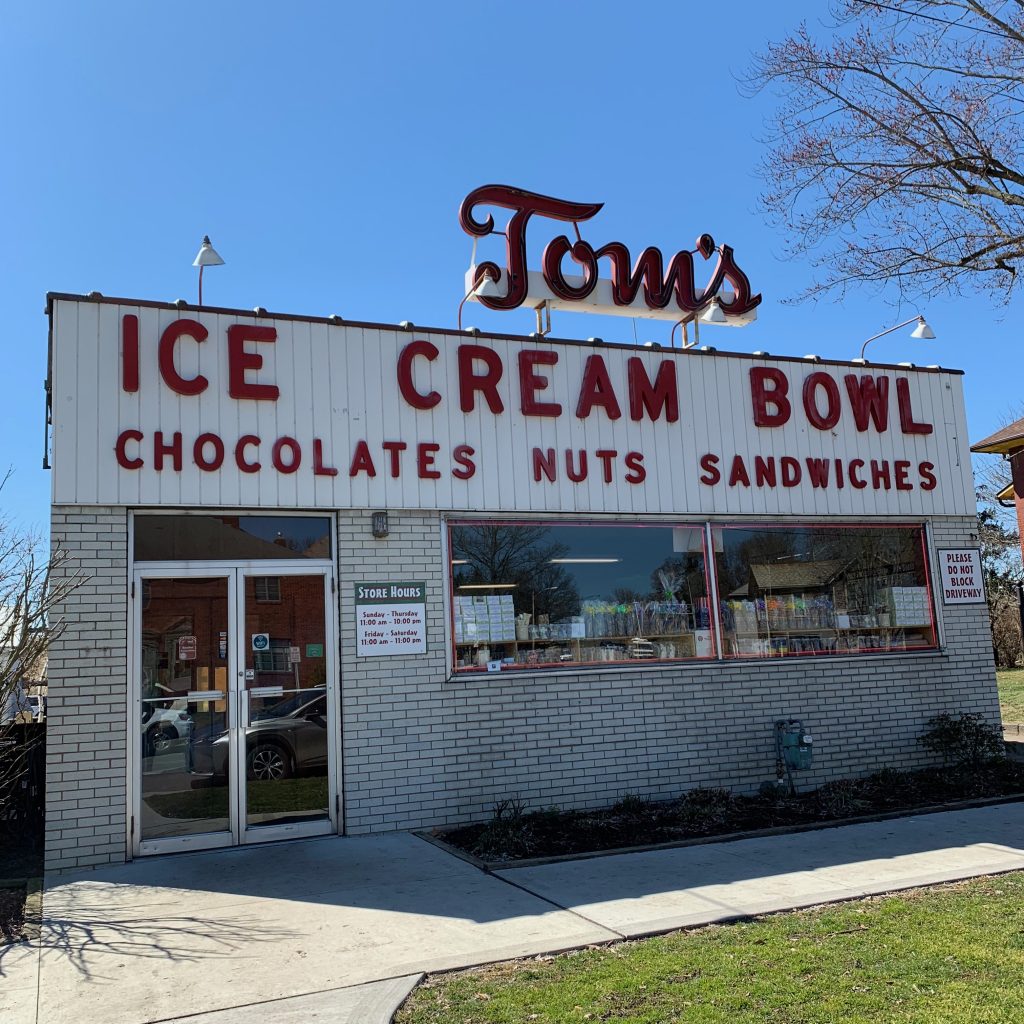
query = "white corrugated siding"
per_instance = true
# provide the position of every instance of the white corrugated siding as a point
(338, 383)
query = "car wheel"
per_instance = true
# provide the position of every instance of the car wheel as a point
(159, 741)
(163, 740)
(268, 763)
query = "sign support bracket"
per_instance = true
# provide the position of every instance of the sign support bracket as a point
(543, 312)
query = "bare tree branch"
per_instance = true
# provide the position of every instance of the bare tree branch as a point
(896, 153)
(34, 584)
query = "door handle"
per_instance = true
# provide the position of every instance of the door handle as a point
(238, 709)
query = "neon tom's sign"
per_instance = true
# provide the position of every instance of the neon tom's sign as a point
(646, 288)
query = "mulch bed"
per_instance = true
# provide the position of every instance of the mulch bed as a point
(21, 860)
(514, 834)
(12, 914)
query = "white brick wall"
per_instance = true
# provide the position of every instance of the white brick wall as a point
(420, 749)
(87, 702)
(423, 750)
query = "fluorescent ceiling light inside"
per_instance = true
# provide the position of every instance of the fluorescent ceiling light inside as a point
(460, 561)
(583, 561)
(485, 586)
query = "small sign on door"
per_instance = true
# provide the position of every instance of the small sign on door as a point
(186, 648)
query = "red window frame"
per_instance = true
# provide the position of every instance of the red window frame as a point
(577, 666)
(718, 652)
(922, 530)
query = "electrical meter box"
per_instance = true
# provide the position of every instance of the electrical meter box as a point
(793, 746)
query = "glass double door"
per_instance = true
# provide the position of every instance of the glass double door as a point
(236, 701)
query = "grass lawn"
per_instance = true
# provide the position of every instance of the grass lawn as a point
(948, 955)
(307, 793)
(1011, 694)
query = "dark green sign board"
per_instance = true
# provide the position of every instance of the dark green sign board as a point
(389, 593)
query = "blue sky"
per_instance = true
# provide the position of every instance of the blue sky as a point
(326, 147)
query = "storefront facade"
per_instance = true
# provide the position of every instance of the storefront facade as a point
(349, 577)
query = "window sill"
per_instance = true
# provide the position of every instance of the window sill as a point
(697, 665)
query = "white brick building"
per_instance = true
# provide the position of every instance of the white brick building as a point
(675, 559)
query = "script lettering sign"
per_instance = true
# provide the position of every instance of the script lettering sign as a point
(645, 288)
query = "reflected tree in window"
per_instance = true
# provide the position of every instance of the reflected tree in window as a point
(520, 555)
(679, 578)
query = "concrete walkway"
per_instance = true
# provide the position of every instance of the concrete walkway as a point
(341, 929)
(645, 893)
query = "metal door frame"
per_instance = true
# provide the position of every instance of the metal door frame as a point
(237, 834)
(302, 829)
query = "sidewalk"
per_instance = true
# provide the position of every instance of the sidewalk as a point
(340, 929)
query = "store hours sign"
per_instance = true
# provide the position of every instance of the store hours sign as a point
(961, 576)
(391, 618)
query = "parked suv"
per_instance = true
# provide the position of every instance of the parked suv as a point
(289, 738)
(163, 727)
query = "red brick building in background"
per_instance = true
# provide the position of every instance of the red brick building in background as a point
(1009, 442)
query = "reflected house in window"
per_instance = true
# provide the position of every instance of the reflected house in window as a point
(867, 592)
(789, 578)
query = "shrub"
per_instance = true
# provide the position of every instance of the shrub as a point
(963, 739)
(632, 805)
(840, 799)
(891, 787)
(706, 810)
(707, 798)
(773, 791)
(513, 833)
(507, 835)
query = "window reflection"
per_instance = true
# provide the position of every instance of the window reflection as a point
(172, 538)
(533, 594)
(286, 743)
(822, 590)
(184, 658)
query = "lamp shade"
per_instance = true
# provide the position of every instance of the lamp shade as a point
(922, 330)
(713, 314)
(207, 255)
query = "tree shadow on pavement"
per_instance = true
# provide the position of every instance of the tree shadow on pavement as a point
(88, 933)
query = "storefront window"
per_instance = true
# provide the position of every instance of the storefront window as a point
(822, 590)
(540, 595)
(530, 595)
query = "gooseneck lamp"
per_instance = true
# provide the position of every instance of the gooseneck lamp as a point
(206, 257)
(921, 332)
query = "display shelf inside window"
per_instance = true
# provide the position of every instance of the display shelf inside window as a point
(776, 625)
(852, 609)
(487, 631)
(535, 594)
